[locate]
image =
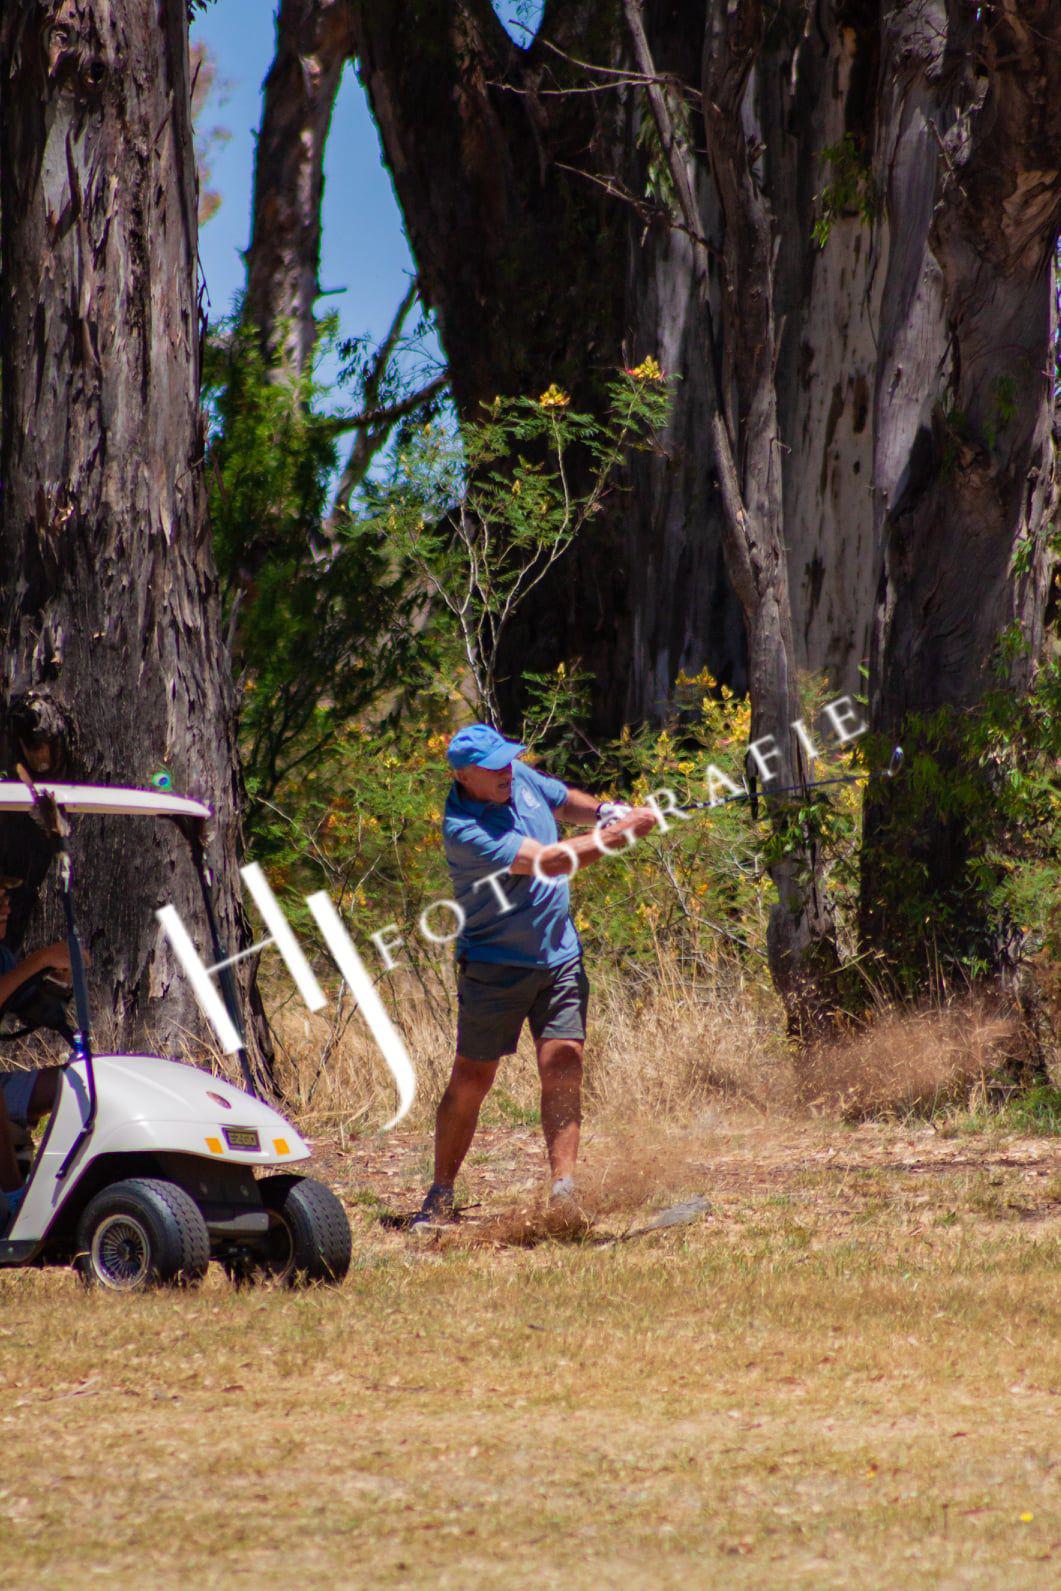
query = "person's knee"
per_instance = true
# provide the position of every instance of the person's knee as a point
(43, 1096)
(470, 1081)
(560, 1061)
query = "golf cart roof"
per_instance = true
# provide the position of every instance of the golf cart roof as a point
(16, 797)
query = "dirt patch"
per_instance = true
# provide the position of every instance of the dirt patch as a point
(630, 1170)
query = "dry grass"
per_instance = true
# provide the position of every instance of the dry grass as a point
(664, 1042)
(906, 1060)
(662, 1051)
(845, 1375)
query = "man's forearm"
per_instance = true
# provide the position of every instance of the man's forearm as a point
(567, 857)
(580, 808)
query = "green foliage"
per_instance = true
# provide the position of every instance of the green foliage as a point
(1048, 535)
(319, 624)
(1034, 1110)
(483, 511)
(849, 190)
(969, 850)
(366, 816)
(659, 184)
(1003, 408)
(364, 820)
(347, 707)
(558, 706)
(698, 893)
(1005, 394)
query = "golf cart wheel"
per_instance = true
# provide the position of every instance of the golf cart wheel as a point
(308, 1238)
(140, 1233)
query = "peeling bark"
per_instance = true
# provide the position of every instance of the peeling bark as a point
(113, 657)
(314, 40)
(817, 85)
(738, 370)
(800, 940)
(968, 154)
(685, 613)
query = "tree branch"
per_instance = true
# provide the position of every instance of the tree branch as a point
(314, 39)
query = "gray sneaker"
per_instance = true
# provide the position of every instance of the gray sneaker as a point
(436, 1212)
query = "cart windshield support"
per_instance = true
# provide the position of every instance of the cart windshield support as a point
(52, 804)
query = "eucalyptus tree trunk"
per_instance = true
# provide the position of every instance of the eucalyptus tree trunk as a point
(526, 210)
(815, 90)
(968, 157)
(113, 660)
(314, 40)
(737, 304)
(801, 942)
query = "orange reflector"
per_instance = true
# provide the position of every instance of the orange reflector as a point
(280, 1145)
(214, 1146)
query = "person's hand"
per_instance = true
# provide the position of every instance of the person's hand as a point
(56, 958)
(642, 820)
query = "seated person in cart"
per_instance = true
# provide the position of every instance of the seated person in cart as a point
(25, 1096)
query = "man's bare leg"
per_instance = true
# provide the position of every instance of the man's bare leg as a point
(458, 1115)
(10, 1176)
(560, 1070)
(44, 1091)
(41, 1101)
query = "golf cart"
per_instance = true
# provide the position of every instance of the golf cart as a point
(147, 1167)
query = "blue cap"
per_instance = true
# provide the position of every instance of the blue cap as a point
(480, 746)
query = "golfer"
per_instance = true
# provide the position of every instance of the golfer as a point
(518, 952)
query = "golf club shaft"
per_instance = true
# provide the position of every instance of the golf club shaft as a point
(799, 789)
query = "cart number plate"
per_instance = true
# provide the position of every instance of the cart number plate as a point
(241, 1137)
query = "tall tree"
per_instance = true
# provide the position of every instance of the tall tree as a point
(530, 149)
(967, 155)
(547, 153)
(522, 175)
(314, 41)
(815, 90)
(742, 432)
(317, 621)
(113, 659)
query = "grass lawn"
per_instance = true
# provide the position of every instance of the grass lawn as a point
(846, 1374)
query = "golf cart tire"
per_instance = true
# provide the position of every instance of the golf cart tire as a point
(312, 1222)
(140, 1233)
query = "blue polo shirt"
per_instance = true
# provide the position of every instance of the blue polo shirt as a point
(481, 837)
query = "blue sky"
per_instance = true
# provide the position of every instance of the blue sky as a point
(364, 250)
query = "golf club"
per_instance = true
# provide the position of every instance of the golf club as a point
(894, 764)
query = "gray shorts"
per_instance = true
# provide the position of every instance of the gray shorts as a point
(494, 999)
(17, 1089)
